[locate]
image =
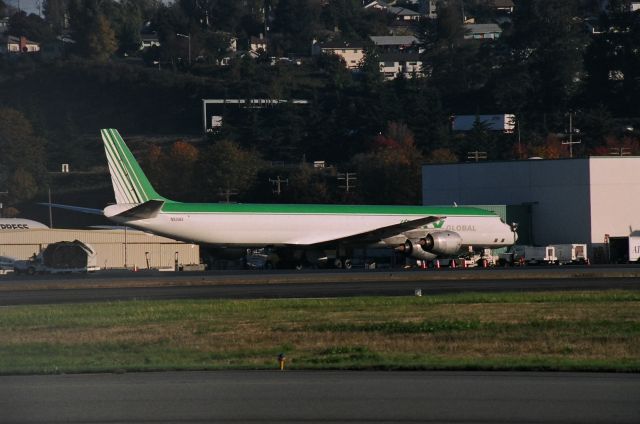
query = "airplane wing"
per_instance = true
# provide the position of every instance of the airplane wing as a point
(380, 233)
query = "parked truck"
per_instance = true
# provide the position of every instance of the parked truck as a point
(529, 255)
(60, 257)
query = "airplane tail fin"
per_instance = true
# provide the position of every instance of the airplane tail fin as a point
(130, 185)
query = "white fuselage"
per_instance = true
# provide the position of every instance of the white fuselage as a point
(269, 229)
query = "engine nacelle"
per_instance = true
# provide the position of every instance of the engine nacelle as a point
(439, 243)
(442, 243)
(414, 250)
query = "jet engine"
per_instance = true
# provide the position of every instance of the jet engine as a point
(440, 243)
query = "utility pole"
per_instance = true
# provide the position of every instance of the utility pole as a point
(347, 177)
(188, 37)
(476, 155)
(1, 204)
(571, 131)
(227, 194)
(278, 184)
(50, 213)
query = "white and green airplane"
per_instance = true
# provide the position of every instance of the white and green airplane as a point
(306, 232)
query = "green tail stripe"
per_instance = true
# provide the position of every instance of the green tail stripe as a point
(135, 183)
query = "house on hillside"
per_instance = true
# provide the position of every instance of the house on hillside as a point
(13, 45)
(396, 43)
(482, 31)
(258, 43)
(149, 39)
(503, 6)
(404, 14)
(394, 64)
(352, 52)
(377, 4)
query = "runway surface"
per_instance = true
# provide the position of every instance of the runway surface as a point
(57, 289)
(333, 396)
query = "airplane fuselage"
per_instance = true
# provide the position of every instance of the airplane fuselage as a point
(255, 229)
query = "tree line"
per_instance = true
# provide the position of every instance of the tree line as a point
(544, 67)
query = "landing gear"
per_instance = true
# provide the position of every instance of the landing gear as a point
(343, 263)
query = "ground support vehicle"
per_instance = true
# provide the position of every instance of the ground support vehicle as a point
(61, 257)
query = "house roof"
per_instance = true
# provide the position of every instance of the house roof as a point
(11, 39)
(483, 28)
(257, 40)
(401, 11)
(501, 3)
(379, 3)
(394, 40)
(342, 44)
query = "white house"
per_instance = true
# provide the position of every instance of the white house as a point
(395, 64)
(352, 52)
(482, 31)
(258, 43)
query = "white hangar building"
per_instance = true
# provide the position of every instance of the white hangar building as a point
(115, 248)
(589, 200)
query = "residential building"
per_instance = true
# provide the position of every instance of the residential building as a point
(394, 64)
(352, 52)
(504, 6)
(399, 43)
(258, 43)
(12, 44)
(377, 4)
(404, 14)
(482, 31)
(149, 39)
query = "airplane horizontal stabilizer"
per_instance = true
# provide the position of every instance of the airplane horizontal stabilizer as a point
(74, 208)
(148, 209)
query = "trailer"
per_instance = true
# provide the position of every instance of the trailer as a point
(529, 255)
(571, 253)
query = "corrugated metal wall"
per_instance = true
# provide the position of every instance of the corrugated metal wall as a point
(114, 248)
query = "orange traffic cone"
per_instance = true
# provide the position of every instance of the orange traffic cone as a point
(437, 263)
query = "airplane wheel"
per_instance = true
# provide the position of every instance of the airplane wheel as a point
(347, 264)
(298, 267)
(338, 263)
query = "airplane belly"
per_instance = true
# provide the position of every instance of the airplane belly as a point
(265, 229)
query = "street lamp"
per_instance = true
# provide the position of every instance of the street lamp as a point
(188, 37)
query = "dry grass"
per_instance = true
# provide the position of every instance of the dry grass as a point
(555, 331)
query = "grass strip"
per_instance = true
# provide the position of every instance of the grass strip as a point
(597, 330)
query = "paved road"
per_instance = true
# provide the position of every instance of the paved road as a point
(335, 396)
(304, 290)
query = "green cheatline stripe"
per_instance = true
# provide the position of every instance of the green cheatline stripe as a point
(175, 207)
